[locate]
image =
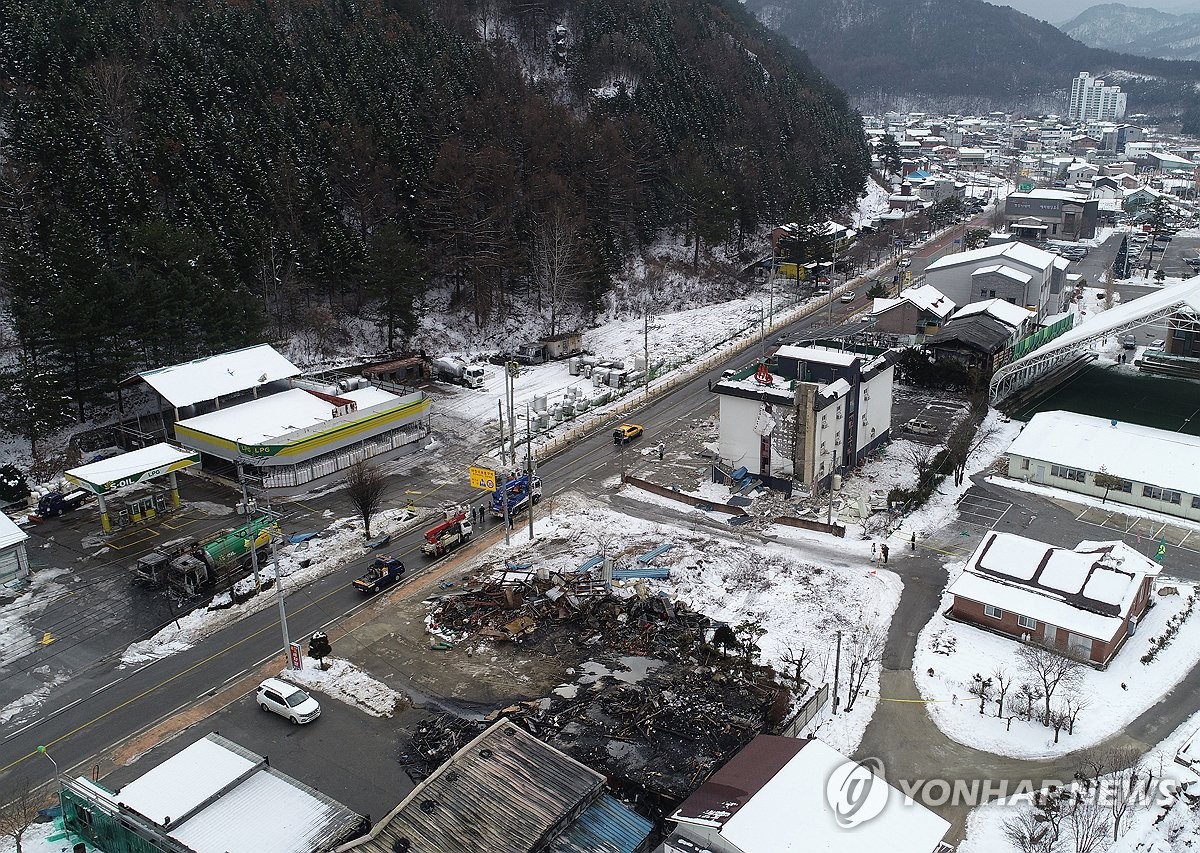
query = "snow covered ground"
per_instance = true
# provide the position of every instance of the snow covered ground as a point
(800, 594)
(1148, 827)
(347, 683)
(323, 555)
(956, 653)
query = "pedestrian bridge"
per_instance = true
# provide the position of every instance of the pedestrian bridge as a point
(1179, 298)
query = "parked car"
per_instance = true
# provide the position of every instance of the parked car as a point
(919, 426)
(626, 433)
(1193, 262)
(1129, 342)
(1163, 238)
(1157, 343)
(847, 297)
(287, 700)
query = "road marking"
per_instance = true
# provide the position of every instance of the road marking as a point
(106, 686)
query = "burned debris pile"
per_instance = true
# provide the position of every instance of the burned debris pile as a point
(654, 699)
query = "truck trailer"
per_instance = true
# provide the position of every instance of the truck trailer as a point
(187, 566)
(455, 370)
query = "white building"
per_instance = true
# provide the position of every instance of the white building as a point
(774, 797)
(1092, 101)
(1015, 272)
(808, 414)
(14, 560)
(1157, 469)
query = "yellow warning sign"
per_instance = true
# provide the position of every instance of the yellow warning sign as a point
(47, 638)
(483, 478)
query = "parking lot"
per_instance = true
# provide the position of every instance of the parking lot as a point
(980, 510)
(941, 410)
(1144, 532)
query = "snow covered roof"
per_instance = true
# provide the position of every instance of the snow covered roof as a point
(1089, 590)
(10, 534)
(929, 298)
(219, 375)
(1050, 195)
(1006, 271)
(259, 421)
(136, 466)
(817, 355)
(216, 797)
(771, 798)
(1170, 460)
(1011, 250)
(1005, 312)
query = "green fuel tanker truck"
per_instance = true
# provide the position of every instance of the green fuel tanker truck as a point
(186, 566)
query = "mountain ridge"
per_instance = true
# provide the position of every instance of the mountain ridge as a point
(968, 49)
(1138, 30)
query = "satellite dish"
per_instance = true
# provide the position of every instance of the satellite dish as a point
(1114, 423)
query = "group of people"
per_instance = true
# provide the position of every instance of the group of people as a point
(881, 551)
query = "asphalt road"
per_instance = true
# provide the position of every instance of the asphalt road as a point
(103, 705)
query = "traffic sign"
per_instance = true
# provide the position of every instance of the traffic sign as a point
(483, 478)
(297, 658)
(1025, 186)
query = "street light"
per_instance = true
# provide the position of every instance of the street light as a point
(42, 749)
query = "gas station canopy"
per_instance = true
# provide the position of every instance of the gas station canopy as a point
(137, 466)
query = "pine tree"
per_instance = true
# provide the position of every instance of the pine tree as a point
(1120, 265)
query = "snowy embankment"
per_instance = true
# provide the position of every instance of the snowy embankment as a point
(955, 653)
(802, 600)
(298, 564)
(1154, 821)
(344, 681)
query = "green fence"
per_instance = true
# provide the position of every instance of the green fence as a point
(1042, 336)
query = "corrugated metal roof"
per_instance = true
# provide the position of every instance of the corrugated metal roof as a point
(504, 792)
(606, 826)
(219, 375)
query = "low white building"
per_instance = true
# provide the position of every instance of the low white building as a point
(778, 796)
(807, 414)
(14, 559)
(1157, 469)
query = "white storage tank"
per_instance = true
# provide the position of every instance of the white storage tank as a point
(639, 363)
(539, 402)
(573, 366)
(837, 482)
(543, 420)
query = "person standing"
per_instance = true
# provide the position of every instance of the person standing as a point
(912, 543)
(872, 552)
(883, 550)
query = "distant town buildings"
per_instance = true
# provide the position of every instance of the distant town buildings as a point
(1092, 101)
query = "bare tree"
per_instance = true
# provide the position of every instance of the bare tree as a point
(365, 486)
(1004, 681)
(1073, 702)
(1107, 481)
(1051, 670)
(981, 687)
(1057, 720)
(19, 811)
(864, 651)
(1124, 770)
(1088, 822)
(1028, 834)
(557, 270)
(920, 457)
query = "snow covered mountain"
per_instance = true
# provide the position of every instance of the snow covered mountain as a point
(1137, 30)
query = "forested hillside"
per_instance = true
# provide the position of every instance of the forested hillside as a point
(969, 49)
(178, 178)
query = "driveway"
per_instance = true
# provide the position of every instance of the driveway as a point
(901, 733)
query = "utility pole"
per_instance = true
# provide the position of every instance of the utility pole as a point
(251, 533)
(511, 371)
(287, 643)
(529, 468)
(507, 517)
(837, 666)
(500, 412)
(645, 345)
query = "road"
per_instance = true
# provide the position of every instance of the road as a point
(103, 705)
